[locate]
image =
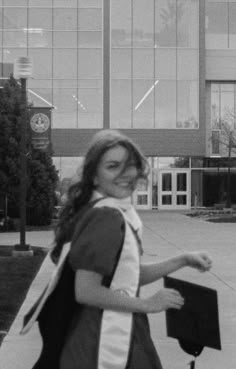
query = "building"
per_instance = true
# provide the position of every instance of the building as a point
(162, 71)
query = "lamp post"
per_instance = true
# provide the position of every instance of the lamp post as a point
(22, 71)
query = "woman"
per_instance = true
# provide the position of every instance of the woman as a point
(108, 327)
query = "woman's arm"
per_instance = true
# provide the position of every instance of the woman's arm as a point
(152, 272)
(89, 291)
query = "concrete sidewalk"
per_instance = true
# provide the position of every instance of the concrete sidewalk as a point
(165, 234)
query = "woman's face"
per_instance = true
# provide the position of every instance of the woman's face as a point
(115, 177)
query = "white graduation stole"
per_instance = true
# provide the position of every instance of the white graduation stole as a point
(116, 327)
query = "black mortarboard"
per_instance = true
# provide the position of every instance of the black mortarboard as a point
(196, 324)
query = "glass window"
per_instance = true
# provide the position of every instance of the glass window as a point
(14, 39)
(215, 106)
(65, 116)
(41, 57)
(90, 39)
(39, 83)
(165, 23)
(181, 182)
(89, 120)
(187, 64)
(227, 104)
(65, 3)
(65, 19)
(121, 63)
(143, 63)
(65, 63)
(121, 23)
(90, 3)
(90, 19)
(7, 69)
(40, 97)
(15, 3)
(40, 19)
(215, 142)
(40, 3)
(165, 104)
(187, 105)
(165, 63)
(166, 182)
(90, 63)
(65, 83)
(89, 100)
(120, 104)
(143, 97)
(216, 25)
(10, 55)
(187, 23)
(15, 18)
(143, 32)
(65, 39)
(39, 38)
(232, 25)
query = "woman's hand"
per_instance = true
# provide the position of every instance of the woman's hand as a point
(199, 260)
(164, 299)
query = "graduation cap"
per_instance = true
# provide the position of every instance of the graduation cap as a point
(196, 324)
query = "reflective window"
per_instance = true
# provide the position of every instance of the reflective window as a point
(89, 105)
(187, 105)
(232, 25)
(215, 106)
(120, 63)
(143, 63)
(143, 32)
(215, 142)
(65, 116)
(64, 63)
(90, 3)
(40, 3)
(65, 19)
(166, 182)
(120, 110)
(90, 39)
(15, 3)
(223, 105)
(90, 19)
(187, 64)
(65, 3)
(41, 57)
(10, 55)
(181, 182)
(15, 18)
(165, 104)
(121, 23)
(39, 38)
(40, 19)
(187, 23)
(14, 39)
(65, 39)
(90, 63)
(165, 63)
(216, 25)
(40, 97)
(165, 24)
(143, 111)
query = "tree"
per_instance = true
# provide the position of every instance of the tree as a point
(226, 142)
(41, 176)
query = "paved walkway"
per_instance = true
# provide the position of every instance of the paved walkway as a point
(165, 234)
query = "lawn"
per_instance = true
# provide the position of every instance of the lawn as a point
(16, 276)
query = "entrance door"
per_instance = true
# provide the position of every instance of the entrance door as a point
(142, 196)
(174, 189)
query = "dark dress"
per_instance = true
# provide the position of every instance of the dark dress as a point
(96, 246)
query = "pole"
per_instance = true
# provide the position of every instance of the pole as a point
(23, 165)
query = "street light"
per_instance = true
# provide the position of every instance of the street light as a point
(22, 71)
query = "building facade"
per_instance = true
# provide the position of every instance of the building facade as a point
(161, 71)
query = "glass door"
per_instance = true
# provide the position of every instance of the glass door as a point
(174, 189)
(142, 195)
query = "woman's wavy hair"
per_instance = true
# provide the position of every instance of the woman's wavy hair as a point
(79, 193)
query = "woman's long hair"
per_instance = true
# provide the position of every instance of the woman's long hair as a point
(79, 194)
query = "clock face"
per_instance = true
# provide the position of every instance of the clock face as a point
(40, 123)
